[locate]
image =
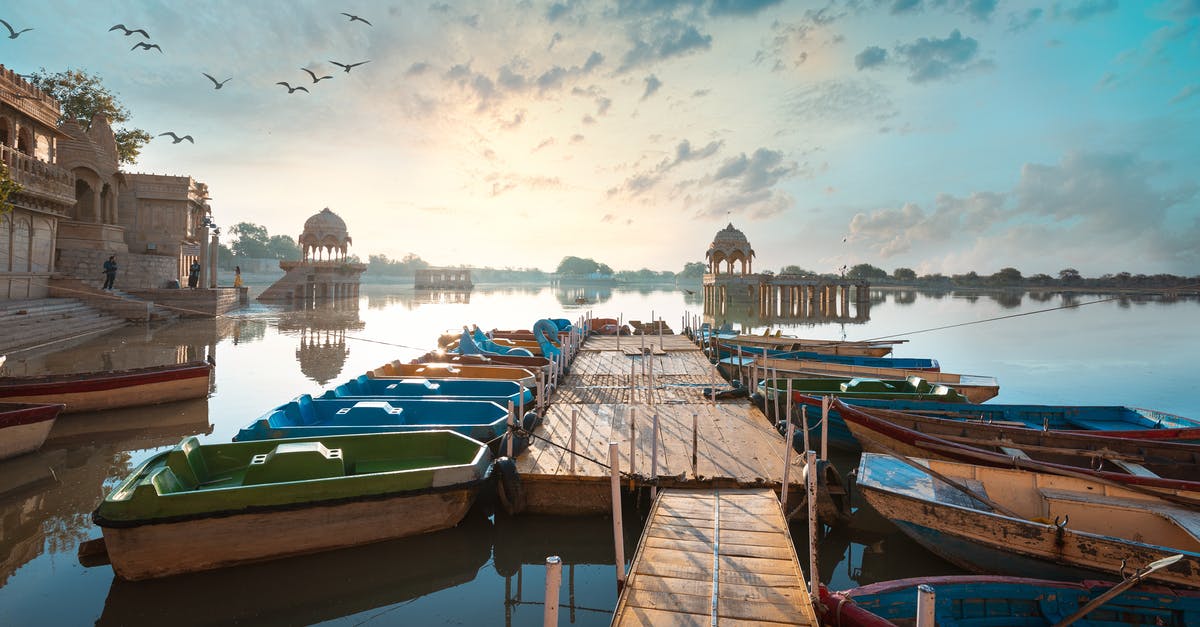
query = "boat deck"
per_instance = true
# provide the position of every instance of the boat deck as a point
(726, 444)
(715, 557)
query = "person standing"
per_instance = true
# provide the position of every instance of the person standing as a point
(237, 276)
(194, 274)
(110, 272)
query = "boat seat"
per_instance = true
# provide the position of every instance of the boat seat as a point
(1132, 468)
(1187, 520)
(186, 463)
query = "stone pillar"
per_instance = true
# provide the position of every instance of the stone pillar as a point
(97, 208)
(203, 258)
(212, 258)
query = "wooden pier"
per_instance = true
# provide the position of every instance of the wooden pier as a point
(715, 557)
(616, 388)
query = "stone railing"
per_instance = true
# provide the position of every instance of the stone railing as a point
(39, 178)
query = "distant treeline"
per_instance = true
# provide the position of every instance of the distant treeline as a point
(1011, 277)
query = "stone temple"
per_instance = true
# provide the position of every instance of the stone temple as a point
(324, 272)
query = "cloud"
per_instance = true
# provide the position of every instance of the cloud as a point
(652, 85)
(900, 7)
(513, 78)
(1084, 9)
(417, 69)
(756, 172)
(556, 11)
(931, 59)
(517, 119)
(684, 153)
(1018, 22)
(576, 138)
(1187, 92)
(842, 100)
(663, 39)
(740, 8)
(549, 141)
(1108, 81)
(872, 56)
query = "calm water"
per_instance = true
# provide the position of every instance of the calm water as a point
(489, 570)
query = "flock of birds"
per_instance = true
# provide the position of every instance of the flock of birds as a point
(147, 45)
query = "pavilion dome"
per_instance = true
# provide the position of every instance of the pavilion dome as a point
(730, 240)
(325, 230)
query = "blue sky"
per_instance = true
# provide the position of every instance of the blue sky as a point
(940, 135)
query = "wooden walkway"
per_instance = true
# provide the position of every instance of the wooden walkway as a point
(613, 397)
(715, 557)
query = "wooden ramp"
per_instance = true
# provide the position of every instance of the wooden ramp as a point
(612, 397)
(715, 557)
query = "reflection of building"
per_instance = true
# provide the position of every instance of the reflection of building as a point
(322, 352)
(441, 297)
(443, 279)
(776, 298)
(323, 273)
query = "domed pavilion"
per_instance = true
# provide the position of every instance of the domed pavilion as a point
(730, 246)
(323, 272)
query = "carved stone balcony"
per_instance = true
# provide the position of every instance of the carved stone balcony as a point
(52, 185)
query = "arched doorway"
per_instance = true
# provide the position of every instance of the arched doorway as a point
(85, 200)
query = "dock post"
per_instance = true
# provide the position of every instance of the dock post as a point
(695, 442)
(632, 381)
(826, 401)
(787, 460)
(553, 583)
(632, 438)
(614, 462)
(740, 365)
(511, 422)
(926, 606)
(574, 420)
(620, 325)
(650, 377)
(810, 474)
(804, 424)
(521, 404)
(654, 459)
(541, 385)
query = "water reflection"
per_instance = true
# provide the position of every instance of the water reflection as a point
(571, 295)
(322, 329)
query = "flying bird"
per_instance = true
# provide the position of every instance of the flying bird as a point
(145, 46)
(130, 31)
(13, 34)
(314, 76)
(357, 18)
(217, 84)
(346, 68)
(177, 138)
(292, 89)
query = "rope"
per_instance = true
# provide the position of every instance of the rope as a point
(627, 475)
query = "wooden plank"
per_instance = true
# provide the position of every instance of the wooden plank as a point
(770, 594)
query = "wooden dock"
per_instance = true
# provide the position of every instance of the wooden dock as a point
(715, 557)
(615, 389)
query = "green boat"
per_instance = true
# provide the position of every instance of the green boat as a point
(204, 506)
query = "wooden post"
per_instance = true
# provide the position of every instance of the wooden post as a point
(787, 461)
(695, 443)
(574, 420)
(632, 438)
(511, 421)
(541, 385)
(826, 401)
(926, 606)
(804, 424)
(632, 381)
(810, 473)
(740, 365)
(650, 378)
(521, 403)
(614, 461)
(553, 582)
(620, 325)
(654, 459)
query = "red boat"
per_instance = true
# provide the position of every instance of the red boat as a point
(92, 391)
(24, 426)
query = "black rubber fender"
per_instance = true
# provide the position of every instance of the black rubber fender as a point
(519, 443)
(510, 490)
(530, 421)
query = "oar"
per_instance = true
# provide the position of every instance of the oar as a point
(1129, 582)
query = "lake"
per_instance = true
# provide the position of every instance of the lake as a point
(489, 570)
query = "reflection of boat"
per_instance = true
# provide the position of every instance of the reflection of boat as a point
(305, 417)
(198, 507)
(24, 426)
(529, 539)
(90, 391)
(960, 600)
(502, 392)
(396, 370)
(309, 589)
(1059, 527)
(134, 427)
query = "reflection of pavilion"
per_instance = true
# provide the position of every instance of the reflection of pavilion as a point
(441, 297)
(322, 352)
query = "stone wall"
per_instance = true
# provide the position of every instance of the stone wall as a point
(133, 270)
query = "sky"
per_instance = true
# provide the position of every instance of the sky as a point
(945, 136)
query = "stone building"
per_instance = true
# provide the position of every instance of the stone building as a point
(28, 146)
(167, 216)
(323, 272)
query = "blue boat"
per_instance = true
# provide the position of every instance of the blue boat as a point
(451, 389)
(728, 351)
(307, 417)
(987, 601)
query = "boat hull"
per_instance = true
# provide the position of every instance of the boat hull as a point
(171, 548)
(24, 426)
(112, 390)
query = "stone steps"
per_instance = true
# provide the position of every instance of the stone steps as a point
(114, 302)
(30, 323)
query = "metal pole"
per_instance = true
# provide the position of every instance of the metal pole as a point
(650, 379)
(574, 419)
(614, 461)
(541, 384)
(620, 325)
(553, 582)
(740, 365)
(810, 472)
(654, 459)
(787, 462)
(826, 401)
(695, 442)
(926, 606)
(511, 421)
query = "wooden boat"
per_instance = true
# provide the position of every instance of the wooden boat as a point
(307, 417)
(1134, 464)
(397, 369)
(772, 392)
(24, 426)
(1113, 420)
(91, 391)
(199, 507)
(1016, 522)
(976, 388)
(502, 392)
(865, 348)
(748, 353)
(521, 361)
(979, 600)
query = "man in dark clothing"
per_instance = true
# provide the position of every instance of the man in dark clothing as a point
(194, 275)
(110, 272)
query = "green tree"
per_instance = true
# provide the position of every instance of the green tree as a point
(693, 270)
(1007, 276)
(575, 266)
(83, 95)
(866, 271)
(252, 240)
(1068, 275)
(904, 274)
(796, 270)
(282, 247)
(8, 187)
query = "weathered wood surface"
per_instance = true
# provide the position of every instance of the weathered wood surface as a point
(715, 557)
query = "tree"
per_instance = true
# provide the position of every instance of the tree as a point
(866, 271)
(252, 240)
(1067, 275)
(693, 270)
(904, 274)
(796, 270)
(81, 96)
(8, 187)
(575, 266)
(1007, 276)
(282, 247)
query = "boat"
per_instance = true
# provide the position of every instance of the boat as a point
(521, 361)
(199, 507)
(308, 417)
(1017, 522)
(111, 389)
(770, 393)
(1110, 420)
(748, 353)
(976, 388)
(502, 392)
(24, 426)
(1131, 463)
(864, 348)
(979, 600)
(443, 370)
